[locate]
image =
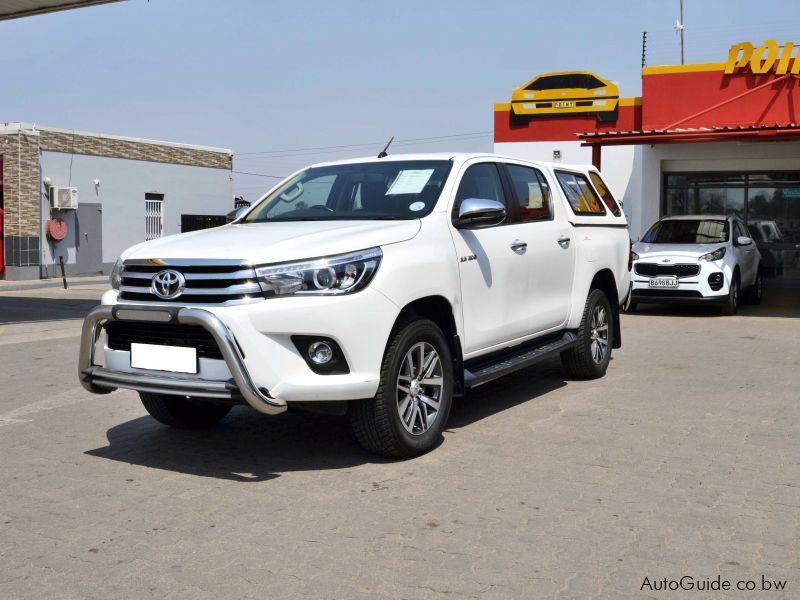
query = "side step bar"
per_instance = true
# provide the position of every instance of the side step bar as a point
(486, 368)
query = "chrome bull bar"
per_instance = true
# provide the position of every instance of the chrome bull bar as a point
(100, 380)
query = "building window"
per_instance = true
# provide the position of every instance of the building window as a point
(196, 222)
(153, 216)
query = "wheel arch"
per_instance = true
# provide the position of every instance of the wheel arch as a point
(439, 310)
(605, 281)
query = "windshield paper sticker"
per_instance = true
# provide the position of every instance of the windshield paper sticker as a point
(409, 182)
(416, 206)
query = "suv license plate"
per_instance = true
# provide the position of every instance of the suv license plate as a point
(164, 358)
(664, 282)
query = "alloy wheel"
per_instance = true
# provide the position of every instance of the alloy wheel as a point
(419, 388)
(599, 334)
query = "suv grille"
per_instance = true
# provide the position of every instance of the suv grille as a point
(218, 282)
(656, 270)
(121, 334)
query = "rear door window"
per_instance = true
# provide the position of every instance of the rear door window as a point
(580, 194)
(531, 193)
(605, 194)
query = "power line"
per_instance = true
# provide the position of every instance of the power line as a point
(362, 149)
(367, 144)
(260, 175)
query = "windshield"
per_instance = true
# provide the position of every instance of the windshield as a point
(374, 190)
(566, 81)
(688, 231)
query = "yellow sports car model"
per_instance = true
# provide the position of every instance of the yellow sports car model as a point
(566, 93)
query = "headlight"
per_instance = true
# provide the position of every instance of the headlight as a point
(712, 256)
(634, 256)
(116, 274)
(332, 275)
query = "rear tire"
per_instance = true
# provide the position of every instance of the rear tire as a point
(409, 412)
(182, 412)
(518, 120)
(756, 292)
(732, 302)
(589, 358)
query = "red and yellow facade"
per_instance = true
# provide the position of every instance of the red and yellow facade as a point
(739, 115)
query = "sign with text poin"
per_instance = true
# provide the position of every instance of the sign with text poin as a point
(767, 58)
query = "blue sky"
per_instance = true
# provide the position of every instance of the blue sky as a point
(259, 76)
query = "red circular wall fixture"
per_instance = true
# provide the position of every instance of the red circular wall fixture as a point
(57, 229)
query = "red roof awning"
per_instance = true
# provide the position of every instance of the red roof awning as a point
(692, 134)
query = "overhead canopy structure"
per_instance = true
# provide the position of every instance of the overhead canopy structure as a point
(15, 9)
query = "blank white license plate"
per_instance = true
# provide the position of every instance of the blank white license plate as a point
(664, 282)
(164, 358)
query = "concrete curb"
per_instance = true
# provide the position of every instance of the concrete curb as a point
(49, 283)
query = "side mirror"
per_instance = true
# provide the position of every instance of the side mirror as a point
(236, 213)
(479, 212)
(743, 240)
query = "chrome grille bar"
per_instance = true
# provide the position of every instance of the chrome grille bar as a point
(222, 282)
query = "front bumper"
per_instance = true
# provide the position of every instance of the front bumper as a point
(690, 290)
(101, 380)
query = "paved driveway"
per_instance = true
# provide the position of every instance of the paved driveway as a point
(683, 460)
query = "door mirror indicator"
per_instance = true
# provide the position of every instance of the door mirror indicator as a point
(474, 213)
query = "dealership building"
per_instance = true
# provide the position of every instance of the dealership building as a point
(82, 198)
(709, 138)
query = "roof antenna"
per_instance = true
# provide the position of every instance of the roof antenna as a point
(383, 153)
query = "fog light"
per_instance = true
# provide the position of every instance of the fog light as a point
(715, 281)
(320, 353)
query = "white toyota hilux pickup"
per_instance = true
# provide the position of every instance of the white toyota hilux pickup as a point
(378, 287)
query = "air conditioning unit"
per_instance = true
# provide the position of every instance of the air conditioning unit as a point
(64, 198)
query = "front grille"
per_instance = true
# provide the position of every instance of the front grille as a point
(218, 282)
(660, 270)
(666, 293)
(121, 334)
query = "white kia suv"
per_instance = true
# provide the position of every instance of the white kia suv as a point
(696, 259)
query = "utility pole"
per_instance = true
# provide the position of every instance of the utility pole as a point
(680, 29)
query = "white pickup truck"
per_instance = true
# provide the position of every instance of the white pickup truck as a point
(380, 288)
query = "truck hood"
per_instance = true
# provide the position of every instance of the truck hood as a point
(261, 243)
(645, 250)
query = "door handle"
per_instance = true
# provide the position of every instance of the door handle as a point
(519, 246)
(563, 241)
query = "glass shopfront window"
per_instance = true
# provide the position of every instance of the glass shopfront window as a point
(769, 203)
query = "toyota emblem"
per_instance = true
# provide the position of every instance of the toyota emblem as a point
(168, 284)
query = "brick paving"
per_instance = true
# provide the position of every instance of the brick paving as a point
(682, 461)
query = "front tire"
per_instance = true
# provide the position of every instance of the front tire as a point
(732, 302)
(182, 412)
(589, 358)
(409, 412)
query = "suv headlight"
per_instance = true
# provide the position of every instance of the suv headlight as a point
(328, 276)
(712, 256)
(116, 275)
